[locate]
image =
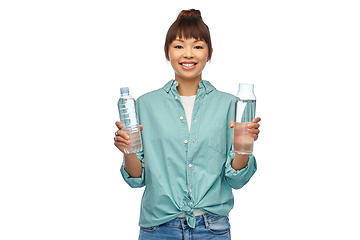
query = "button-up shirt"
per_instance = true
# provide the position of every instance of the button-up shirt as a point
(182, 170)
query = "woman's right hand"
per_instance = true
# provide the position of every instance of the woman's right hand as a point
(121, 139)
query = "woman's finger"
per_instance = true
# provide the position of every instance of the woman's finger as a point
(122, 140)
(119, 125)
(253, 131)
(256, 120)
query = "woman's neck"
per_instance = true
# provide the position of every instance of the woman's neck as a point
(187, 87)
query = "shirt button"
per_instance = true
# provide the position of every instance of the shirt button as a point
(181, 118)
(167, 89)
(176, 97)
(190, 190)
(195, 119)
(190, 165)
(186, 141)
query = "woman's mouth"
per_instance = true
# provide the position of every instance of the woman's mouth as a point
(187, 65)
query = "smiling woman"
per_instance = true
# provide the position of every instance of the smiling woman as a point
(188, 24)
(187, 137)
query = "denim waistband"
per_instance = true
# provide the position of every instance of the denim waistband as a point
(200, 220)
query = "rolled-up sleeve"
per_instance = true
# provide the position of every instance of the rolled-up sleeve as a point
(237, 179)
(134, 182)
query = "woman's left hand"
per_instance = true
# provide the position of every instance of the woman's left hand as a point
(253, 127)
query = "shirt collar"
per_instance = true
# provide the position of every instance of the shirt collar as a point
(207, 86)
(202, 84)
(169, 85)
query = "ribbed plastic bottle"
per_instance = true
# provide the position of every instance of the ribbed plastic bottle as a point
(128, 117)
(244, 113)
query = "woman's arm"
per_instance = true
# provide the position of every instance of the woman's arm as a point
(240, 161)
(132, 164)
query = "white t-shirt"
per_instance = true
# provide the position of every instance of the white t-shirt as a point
(188, 104)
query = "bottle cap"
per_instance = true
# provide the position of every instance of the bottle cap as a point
(124, 90)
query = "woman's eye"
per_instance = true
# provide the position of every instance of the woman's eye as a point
(178, 46)
(198, 47)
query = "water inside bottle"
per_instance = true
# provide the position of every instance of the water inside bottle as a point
(135, 139)
(243, 142)
(127, 112)
(128, 118)
(245, 110)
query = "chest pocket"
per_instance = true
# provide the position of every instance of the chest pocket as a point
(217, 139)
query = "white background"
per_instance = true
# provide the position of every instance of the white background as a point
(62, 64)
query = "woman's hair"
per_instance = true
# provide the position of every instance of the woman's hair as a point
(188, 24)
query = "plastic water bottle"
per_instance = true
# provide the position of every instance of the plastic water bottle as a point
(244, 113)
(128, 117)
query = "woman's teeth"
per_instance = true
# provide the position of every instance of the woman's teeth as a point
(188, 64)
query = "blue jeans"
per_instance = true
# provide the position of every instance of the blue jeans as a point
(207, 227)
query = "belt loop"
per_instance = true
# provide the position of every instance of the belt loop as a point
(206, 221)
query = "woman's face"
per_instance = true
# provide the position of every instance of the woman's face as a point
(188, 58)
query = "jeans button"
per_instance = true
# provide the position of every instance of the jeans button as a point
(185, 222)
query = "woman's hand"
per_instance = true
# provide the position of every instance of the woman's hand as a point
(253, 127)
(121, 138)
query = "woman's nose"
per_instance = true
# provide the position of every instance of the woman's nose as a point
(188, 53)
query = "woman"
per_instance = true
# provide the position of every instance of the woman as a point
(187, 164)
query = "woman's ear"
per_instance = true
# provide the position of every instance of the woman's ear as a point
(166, 54)
(210, 54)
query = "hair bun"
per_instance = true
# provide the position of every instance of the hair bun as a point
(190, 13)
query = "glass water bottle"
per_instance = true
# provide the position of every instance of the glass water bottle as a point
(244, 114)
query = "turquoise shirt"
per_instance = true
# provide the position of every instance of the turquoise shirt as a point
(183, 170)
